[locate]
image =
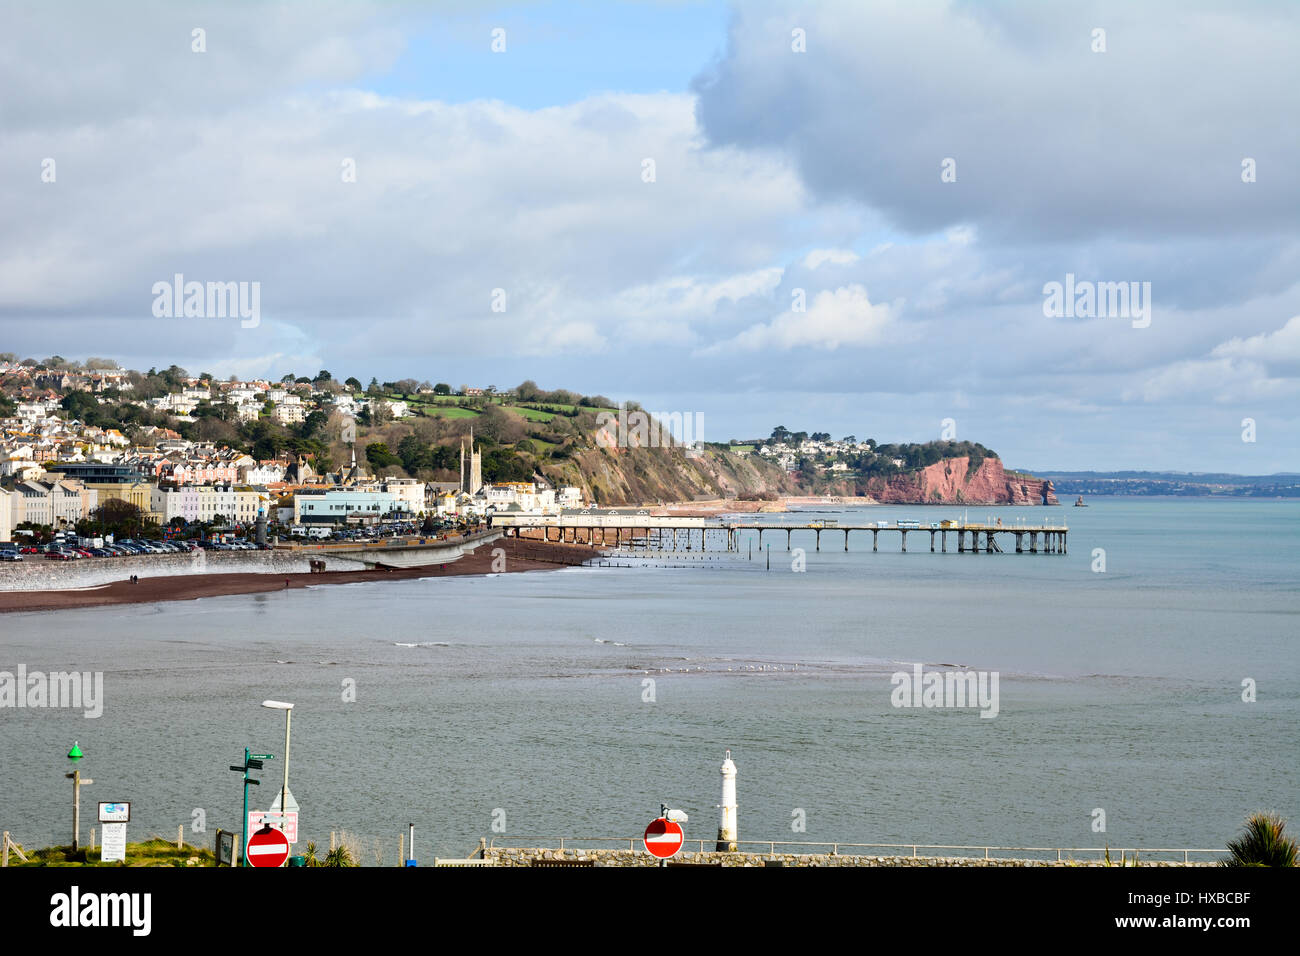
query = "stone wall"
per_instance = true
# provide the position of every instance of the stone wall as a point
(38, 573)
(511, 856)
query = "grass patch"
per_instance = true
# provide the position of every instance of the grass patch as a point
(154, 852)
(450, 412)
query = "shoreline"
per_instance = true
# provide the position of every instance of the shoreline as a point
(521, 555)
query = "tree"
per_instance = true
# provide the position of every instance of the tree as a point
(323, 376)
(287, 379)
(353, 383)
(442, 388)
(413, 453)
(379, 456)
(122, 519)
(313, 424)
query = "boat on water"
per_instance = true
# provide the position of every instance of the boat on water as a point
(1078, 502)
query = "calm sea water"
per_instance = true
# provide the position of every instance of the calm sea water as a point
(519, 698)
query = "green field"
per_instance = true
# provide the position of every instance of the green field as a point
(532, 414)
(452, 412)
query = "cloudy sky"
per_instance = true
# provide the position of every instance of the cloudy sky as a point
(829, 216)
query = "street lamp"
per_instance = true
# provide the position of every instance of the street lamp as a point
(284, 792)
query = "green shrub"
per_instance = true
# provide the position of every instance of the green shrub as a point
(1264, 843)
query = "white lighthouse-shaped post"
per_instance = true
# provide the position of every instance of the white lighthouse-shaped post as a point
(727, 825)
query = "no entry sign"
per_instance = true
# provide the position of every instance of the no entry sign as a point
(268, 847)
(663, 838)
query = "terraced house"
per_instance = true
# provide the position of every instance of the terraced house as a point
(59, 504)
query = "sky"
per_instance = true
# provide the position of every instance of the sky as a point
(842, 217)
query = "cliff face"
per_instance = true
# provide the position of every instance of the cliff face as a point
(948, 482)
(634, 476)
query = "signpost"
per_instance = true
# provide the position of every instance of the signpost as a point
(252, 761)
(268, 847)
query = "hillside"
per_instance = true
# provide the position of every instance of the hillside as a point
(417, 430)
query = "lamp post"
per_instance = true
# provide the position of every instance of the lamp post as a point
(284, 792)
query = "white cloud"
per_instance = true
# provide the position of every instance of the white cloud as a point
(837, 257)
(1281, 345)
(844, 316)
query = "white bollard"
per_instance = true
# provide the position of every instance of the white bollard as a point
(727, 825)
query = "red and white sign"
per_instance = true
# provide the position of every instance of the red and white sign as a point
(268, 847)
(663, 838)
(286, 823)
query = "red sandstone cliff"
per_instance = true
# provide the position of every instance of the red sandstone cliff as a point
(947, 482)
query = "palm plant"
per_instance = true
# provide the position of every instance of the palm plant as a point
(340, 856)
(1264, 843)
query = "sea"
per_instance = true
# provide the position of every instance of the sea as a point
(1148, 693)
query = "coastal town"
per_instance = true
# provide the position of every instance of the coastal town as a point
(61, 475)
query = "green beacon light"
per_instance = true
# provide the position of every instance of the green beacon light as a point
(75, 753)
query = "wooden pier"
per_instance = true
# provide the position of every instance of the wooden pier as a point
(971, 538)
(697, 534)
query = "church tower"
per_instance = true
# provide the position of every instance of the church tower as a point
(475, 465)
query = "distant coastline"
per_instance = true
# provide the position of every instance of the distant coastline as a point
(1174, 484)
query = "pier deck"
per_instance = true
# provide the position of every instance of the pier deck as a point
(692, 534)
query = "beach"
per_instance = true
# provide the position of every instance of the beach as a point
(519, 556)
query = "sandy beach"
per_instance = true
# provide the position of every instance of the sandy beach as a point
(520, 556)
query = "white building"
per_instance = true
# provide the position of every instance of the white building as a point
(408, 494)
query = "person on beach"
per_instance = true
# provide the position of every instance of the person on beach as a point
(286, 582)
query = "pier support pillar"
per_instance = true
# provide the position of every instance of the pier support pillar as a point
(873, 539)
(961, 541)
(932, 542)
(787, 539)
(819, 539)
(943, 541)
(1019, 547)
(1033, 542)
(904, 534)
(846, 539)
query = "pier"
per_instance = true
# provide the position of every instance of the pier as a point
(664, 533)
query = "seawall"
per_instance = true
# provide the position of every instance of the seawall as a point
(540, 856)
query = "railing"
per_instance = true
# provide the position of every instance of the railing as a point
(1127, 855)
(406, 541)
